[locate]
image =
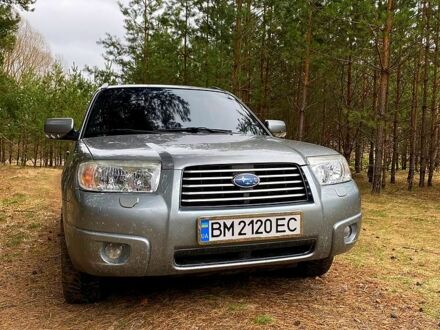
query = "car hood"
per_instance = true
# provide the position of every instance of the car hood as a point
(181, 150)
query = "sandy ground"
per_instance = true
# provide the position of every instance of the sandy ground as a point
(354, 294)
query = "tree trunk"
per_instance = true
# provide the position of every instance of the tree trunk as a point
(146, 44)
(247, 46)
(386, 162)
(423, 149)
(2, 150)
(41, 156)
(11, 149)
(370, 162)
(263, 55)
(18, 151)
(306, 76)
(347, 143)
(207, 44)
(382, 100)
(36, 147)
(24, 156)
(413, 123)
(237, 49)
(394, 161)
(323, 137)
(51, 154)
(359, 141)
(386, 148)
(433, 146)
(358, 156)
(404, 156)
(60, 155)
(185, 46)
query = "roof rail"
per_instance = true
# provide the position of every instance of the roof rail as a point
(104, 86)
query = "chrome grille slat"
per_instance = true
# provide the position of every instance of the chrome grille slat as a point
(208, 185)
(279, 175)
(240, 198)
(264, 183)
(212, 186)
(242, 170)
(279, 182)
(230, 177)
(210, 178)
(249, 191)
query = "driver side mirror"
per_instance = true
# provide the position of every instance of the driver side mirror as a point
(277, 128)
(60, 129)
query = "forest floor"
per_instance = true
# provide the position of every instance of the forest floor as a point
(391, 279)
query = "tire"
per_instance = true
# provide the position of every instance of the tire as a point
(314, 268)
(78, 287)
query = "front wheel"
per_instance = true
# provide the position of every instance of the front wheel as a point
(78, 287)
(315, 267)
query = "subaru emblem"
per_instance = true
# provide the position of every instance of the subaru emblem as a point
(246, 180)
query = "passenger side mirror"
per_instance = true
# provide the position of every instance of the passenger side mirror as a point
(60, 129)
(276, 127)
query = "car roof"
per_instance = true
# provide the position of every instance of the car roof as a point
(212, 89)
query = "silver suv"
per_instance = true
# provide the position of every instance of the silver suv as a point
(168, 180)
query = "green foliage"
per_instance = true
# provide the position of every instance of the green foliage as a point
(25, 106)
(9, 22)
(194, 42)
(8, 27)
(257, 49)
(23, 4)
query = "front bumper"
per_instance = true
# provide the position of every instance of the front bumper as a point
(155, 229)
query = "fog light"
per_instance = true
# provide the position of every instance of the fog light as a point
(113, 251)
(347, 232)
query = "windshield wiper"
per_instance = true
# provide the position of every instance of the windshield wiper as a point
(123, 131)
(127, 131)
(197, 130)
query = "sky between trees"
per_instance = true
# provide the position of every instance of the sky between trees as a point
(357, 76)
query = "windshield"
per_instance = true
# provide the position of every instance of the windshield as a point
(137, 110)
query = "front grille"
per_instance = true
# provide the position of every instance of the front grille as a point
(211, 185)
(240, 253)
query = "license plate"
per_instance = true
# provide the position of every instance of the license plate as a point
(212, 230)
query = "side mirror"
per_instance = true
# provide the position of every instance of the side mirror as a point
(60, 129)
(276, 127)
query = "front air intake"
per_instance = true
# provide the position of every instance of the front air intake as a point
(212, 185)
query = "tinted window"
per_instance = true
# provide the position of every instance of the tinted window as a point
(153, 109)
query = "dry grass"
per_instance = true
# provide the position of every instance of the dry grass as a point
(400, 241)
(390, 280)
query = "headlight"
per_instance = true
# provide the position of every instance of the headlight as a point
(119, 176)
(330, 169)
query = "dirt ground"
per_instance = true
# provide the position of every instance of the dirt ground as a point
(390, 280)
